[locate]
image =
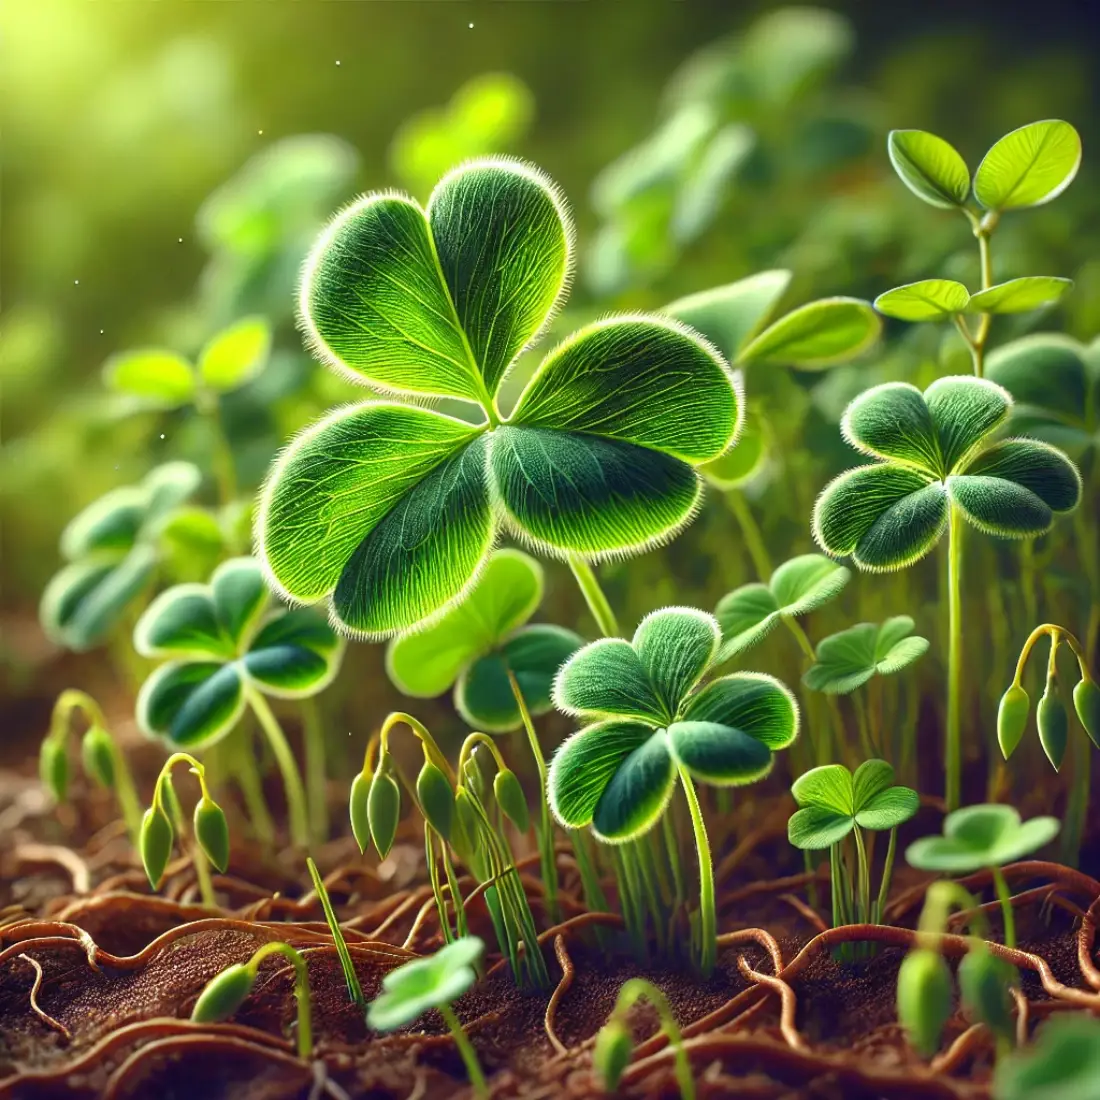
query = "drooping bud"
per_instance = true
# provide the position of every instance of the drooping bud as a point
(383, 810)
(1053, 723)
(224, 994)
(53, 768)
(212, 832)
(924, 998)
(464, 833)
(611, 1054)
(357, 808)
(97, 751)
(1012, 718)
(985, 983)
(436, 798)
(155, 843)
(511, 799)
(1086, 701)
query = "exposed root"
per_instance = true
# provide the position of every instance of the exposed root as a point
(1023, 1013)
(65, 858)
(788, 1002)
(1086, 938)
(811, 915)
(45, 1017)
(567, 974)
(965, 1045)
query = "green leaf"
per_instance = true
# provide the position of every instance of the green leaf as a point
(440, 301)
(415, 987)
(295, 655)
(160, 379)
(927, 300)
(829, 787)
(729, 316)
(889, 808)
(719, 754)
(756, 704)
(1020, 295)
(847, 660)
(965, 411)
(816, 827)
(1048, 377)
(240, 597)
(988, 835)
(183, 622)
(893, 421)
(1029, 166)
(930, 167)
(191, 703)
(426, 663)
(605, 678)
(676, 646)
(743, 460)
(235, 355)
(109, 525)
(1063, 1063)
(747, 615)
(616, 776)
(832, 800)
(816, 335)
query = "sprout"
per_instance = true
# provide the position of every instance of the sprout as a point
(987, 836)
(1062, 1064)
(225, 648)
(651, 724)
(226, 992)
(433, 982)
(924, 998)
(835, 804)
(847, 660)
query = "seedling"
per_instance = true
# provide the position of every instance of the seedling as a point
(164, 820)
(835, 804)
(225, 648)
(160, 379)
(1053, 722)
(351, 976)
(103, 761)
(1062, 1064)
(651, 724)
(113, 549)
(987, 836)
(936, 467)
(433, 982)
(226, 992)
(614, 1045)
(391, 509)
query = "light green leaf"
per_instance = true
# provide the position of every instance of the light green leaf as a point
(1063, 1063)
(816, 335)
(758, 705)
(888, 809)
(183, 622)
(191, 703)
(1020, 295)
(295, 655)
(158, 378)
(607, 678)
(240, 597)
(747, 615)
(236, 354)
(828, 787)
(847, 660)
(930, 167)
(729, 316)
(167, 486)
(108, 527)
(927, 300)
(743, 460)
(719, 754)
(816, 827)
(676, 646)
(974, 837)
(1029, 166)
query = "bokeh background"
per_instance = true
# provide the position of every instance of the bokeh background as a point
(165, 165)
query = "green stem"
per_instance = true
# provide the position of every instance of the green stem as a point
(952, 745)
(1078, 803)
(248, 779)
(1004, 895)
(750, 532)
(166, 791)
(708, 913)
(457, 901)
(887, 874)
(864, 870)
(224, 464)
(313, 740)
(466, 1051)
(126, 793)
(351, 978)
(634, 990)
(868, 746)
(288, 767)
(594, 596)
(301, 991)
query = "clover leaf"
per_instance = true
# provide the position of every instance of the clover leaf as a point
(803, 584)
(848, 659)
(479, 639)
(1055, 384)
(220, 641)
(391, 509)
(650, 718)
(1063, 1063)
(976, 837)
(113, 549)
(934, 450)
(423, 984)
(832, 802)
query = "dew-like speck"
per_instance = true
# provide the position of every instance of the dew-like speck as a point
(101, 332)
(180, 240)
(260, 132)
(162, 435)
(337, 62)
(76, 282)
(471, 26)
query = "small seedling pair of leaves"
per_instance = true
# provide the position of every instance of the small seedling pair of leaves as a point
(219, 640)
(934, 449)
(803, 584)
(976, 837)
(479, 639)
(113, 548)
(164, 380)
(848, 659)
(833, 802)
(1062, 1064)
(942, 299)
(392, 509)
(1028, 167)
(649, 717)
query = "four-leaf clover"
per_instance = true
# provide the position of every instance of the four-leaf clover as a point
(479, 640)
(392, 508)
(848, 659)
(934, 451)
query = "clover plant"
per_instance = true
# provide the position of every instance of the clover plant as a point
(391, 509)
(225, 649)
(987, 836)
(224, 994)
(1053, 723)
(614, 1044)
(113, 549)
(433, 982)
(835, 804)
(653, 723)
(936, 466)
(1062, 1064)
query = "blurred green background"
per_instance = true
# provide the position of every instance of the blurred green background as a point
(155, 188)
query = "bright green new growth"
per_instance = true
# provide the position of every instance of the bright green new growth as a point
(113, 548)
(1029, 166)
(224, 994)
(930, 167)
(392, 509)
(1062, 1064)
(478, 639)
(803, 584)
(848, 659)
(433, 982)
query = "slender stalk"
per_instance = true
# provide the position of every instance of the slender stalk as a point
(835, 885)
(313, 739)
(288, 767)
(887, 874)
(126, 793)
(457, 901)
(466, 1051)
(1078, 804)
(864, 869)
(673, 850)
(952, 745)
(594, 596)
(351, 978)
(198, 857)
(301, 991)
(865, 741)
(750, 532)
(635, 989)
(248, 780)
(708, 913)
(1004, 895)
